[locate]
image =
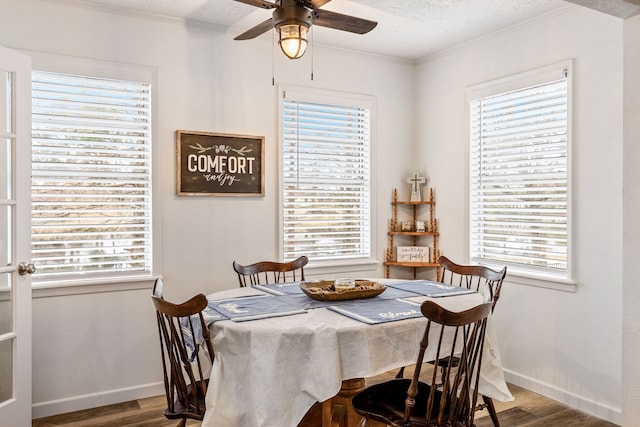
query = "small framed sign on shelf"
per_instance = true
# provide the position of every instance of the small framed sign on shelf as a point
(412, 254)
(218, 164)
(406, 226)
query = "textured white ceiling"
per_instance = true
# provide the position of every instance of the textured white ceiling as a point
(408, 29)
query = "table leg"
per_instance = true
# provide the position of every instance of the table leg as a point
(337, 411)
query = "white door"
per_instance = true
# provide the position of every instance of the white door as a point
(15, 239)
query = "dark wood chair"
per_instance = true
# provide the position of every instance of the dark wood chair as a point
(405, 402)
(184, 365)
(265, 272)
(481, 279)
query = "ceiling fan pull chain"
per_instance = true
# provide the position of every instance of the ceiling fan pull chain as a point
(273, 67)
(313, 51)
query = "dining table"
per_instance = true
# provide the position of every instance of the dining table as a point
(278, 351)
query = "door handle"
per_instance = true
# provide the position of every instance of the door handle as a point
(24, 268)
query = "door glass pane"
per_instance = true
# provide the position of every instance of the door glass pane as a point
(6, 86)
(6, 304)
(5, 235)
(6, 168)
(6, 321)
(6, 371)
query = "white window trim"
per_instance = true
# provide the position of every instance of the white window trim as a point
(111, 70)
(505, 84)
(328, 96)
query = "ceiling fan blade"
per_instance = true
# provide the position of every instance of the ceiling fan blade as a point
(318, 3)
(338, 21)
(251, 33)
(259, 3)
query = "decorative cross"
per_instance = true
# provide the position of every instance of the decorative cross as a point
(415, 181)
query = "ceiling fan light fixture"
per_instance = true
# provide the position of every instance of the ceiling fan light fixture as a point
(293, 39)
(293, 18)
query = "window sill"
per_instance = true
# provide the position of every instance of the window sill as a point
(334, 268)
(88, 286)
(542, 281)
(531, 278)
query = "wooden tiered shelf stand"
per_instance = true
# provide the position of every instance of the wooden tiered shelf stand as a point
(415, 236)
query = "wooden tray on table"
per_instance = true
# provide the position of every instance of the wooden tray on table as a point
(323, 290)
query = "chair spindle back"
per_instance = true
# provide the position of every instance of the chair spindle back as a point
(266, 272)
(476, 277)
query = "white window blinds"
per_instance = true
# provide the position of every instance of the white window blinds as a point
(91, 185)
(519, 177)
(325, 179)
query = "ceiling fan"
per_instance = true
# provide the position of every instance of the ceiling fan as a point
(292, 19)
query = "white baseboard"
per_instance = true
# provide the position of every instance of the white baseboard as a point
(78, 403)
(591, 407)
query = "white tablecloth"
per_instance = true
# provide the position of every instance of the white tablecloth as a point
(269, 372)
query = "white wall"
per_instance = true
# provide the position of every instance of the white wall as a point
(631, 267)
(561, 344)
(94, 349)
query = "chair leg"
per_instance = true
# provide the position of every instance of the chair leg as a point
(400, 373)
(492, 410)
(182, 423)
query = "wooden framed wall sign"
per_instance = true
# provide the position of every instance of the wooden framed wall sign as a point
(218, 164)
(412, 253)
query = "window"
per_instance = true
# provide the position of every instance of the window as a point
(519, 186)
(326, 175)
(91, 184)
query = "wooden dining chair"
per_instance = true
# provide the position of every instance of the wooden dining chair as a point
(265, 272)
(414, 402)
(184, 365)
(481, 279)
(485, 281)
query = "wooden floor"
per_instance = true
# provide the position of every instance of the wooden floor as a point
(528, 409)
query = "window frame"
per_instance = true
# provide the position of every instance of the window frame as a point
(520, 274)
(314, 95)
(118, 71)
